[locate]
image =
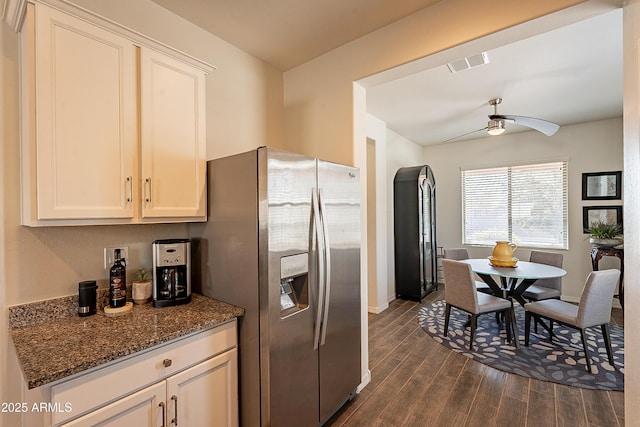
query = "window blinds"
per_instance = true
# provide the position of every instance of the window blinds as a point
(526, 205)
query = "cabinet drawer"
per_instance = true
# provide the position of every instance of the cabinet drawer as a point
(95, 389)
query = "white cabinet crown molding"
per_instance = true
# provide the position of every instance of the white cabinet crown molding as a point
(14, 12)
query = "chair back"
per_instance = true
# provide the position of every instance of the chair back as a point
(595, 303)
(456, 254)
(552, 259)
(459, 285)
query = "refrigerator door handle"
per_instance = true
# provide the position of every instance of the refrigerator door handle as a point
(317, 228)
(327, 266)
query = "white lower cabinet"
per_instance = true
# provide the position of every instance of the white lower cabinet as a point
(143, 408)
(189, 382)
(204, 395)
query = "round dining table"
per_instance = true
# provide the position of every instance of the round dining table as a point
(513, 280)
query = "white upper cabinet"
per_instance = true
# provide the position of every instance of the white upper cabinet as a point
(86, 130)
(173, 143)
(114, 129)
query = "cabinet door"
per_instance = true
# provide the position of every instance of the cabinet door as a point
(173, 146)
(86, 119)
(205, 395)
(141, 409)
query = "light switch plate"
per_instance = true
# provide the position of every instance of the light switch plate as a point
(109, 255)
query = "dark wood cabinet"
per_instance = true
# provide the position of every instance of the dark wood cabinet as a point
(414, 201)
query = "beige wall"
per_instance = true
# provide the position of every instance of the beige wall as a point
(319, 101)
(377, 213)
(401, 153)
(244, 99)
(631, 178)
(588, 147)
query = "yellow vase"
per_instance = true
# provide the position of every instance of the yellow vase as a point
(503, 251)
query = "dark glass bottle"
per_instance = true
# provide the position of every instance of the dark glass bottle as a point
(117, 282)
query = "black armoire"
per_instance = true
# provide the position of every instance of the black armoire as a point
(414, 218)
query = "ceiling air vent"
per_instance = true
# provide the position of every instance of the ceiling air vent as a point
(469, 62)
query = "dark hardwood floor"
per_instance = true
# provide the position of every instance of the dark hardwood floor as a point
(417, 382)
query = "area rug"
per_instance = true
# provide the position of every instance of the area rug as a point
(561, 361)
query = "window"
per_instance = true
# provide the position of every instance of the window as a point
(526, 205)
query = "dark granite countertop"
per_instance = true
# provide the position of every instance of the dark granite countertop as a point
(58, 344)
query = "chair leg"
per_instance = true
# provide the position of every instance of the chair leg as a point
(527, 327)
(514, 325)
(447, 312)
(586, 350)
(473, 330)
(509, 327)
(466, 324)
(539, 320)
(607, 342)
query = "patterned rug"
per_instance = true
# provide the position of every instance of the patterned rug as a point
(561, 362)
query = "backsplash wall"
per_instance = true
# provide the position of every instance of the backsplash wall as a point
(49, 262)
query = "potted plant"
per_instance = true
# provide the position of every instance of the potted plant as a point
(141, 287)
(605, 235)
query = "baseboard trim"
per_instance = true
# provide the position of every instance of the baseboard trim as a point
(365, 380)
(377, 310)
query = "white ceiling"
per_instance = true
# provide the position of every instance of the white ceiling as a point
(570, 75)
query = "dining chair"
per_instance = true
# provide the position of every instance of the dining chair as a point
(594, 309)
(459, 254)
(460, 292)
(545, 288)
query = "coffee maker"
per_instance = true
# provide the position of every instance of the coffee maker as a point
(172, 272)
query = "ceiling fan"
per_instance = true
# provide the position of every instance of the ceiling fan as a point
(497, 122)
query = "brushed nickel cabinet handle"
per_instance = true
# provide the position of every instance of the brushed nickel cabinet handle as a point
(148, 189)
(166, 363)
(163, 416)
(129, 189)
(175, 409)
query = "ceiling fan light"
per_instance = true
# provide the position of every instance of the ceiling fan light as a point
(495, 127)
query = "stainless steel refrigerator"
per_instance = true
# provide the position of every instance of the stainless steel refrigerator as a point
(282, 241)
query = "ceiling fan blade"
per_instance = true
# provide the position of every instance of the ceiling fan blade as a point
(464, 134)
(548, 128)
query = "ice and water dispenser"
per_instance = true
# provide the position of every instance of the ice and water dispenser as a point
(294, 284)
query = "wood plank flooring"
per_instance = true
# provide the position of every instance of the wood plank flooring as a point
(417, 382)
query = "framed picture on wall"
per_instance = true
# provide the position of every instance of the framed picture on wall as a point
(602, 185)
(594, 214)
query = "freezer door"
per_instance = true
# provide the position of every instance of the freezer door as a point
(339, 349)
(289, 363)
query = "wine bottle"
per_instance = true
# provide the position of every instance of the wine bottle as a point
(117, 282)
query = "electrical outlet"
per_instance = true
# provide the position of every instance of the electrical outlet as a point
(109, 255)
